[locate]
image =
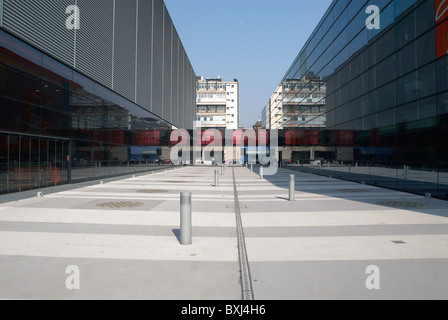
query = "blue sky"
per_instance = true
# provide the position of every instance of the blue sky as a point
(254, 41)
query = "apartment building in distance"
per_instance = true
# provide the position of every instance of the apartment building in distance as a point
(296, 104)
(217, 103)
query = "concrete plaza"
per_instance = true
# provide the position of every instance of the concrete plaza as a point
(123, 236)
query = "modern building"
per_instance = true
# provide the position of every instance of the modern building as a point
(217, 103)
(88, 88)
(297, 104)
(272, 113)
(303, 103)
(386, 98)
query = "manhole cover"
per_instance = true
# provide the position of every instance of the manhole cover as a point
(119, 205)
(401, 204)
(152, 191)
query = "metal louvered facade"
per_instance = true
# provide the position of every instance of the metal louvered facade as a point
(41, 23)
(129, 46)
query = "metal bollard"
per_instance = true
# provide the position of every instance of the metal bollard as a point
(292, 187)
(261, 172)
(216, 178)
(185, 219)
(251, 167)
(222, 169)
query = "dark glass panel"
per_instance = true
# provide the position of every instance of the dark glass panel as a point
(4, 162)
(402, 5)
(425, 49)
(425, 17)
(405, 30)
(19, 55)
(406, 60)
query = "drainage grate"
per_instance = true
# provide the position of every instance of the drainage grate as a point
(175, 181)
(246, 281)
(152, 191)
(120, 205)
(402, 204)
(242, 206)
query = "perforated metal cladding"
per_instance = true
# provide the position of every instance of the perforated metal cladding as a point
(1, 13)
(43, 24)
(192, 93)
(144, 44)
(175, 79)
(94, 40)
(157, 59)
(167, 66)
(180, 96)
(125, 43)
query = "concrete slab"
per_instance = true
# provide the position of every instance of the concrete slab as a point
(123, 237)
(320, 246)
(124, 241)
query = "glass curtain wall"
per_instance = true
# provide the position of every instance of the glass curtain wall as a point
(58, 126)
(386, 93)
(32, 162)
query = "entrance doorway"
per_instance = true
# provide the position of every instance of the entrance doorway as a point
(32, 162)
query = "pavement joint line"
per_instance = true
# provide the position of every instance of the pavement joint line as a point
(246, 281)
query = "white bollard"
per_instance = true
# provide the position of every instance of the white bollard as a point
(216, 178)
(292, 187)
(185, 219)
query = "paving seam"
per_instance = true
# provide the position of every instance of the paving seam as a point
(246, 281)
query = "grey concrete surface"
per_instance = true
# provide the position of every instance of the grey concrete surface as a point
(123, 236)
(320, 246)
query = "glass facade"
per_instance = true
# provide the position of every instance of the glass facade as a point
(58, 126)
(386, 94)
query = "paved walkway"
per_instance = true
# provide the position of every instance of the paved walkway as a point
(320, 246)
(123, 238)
